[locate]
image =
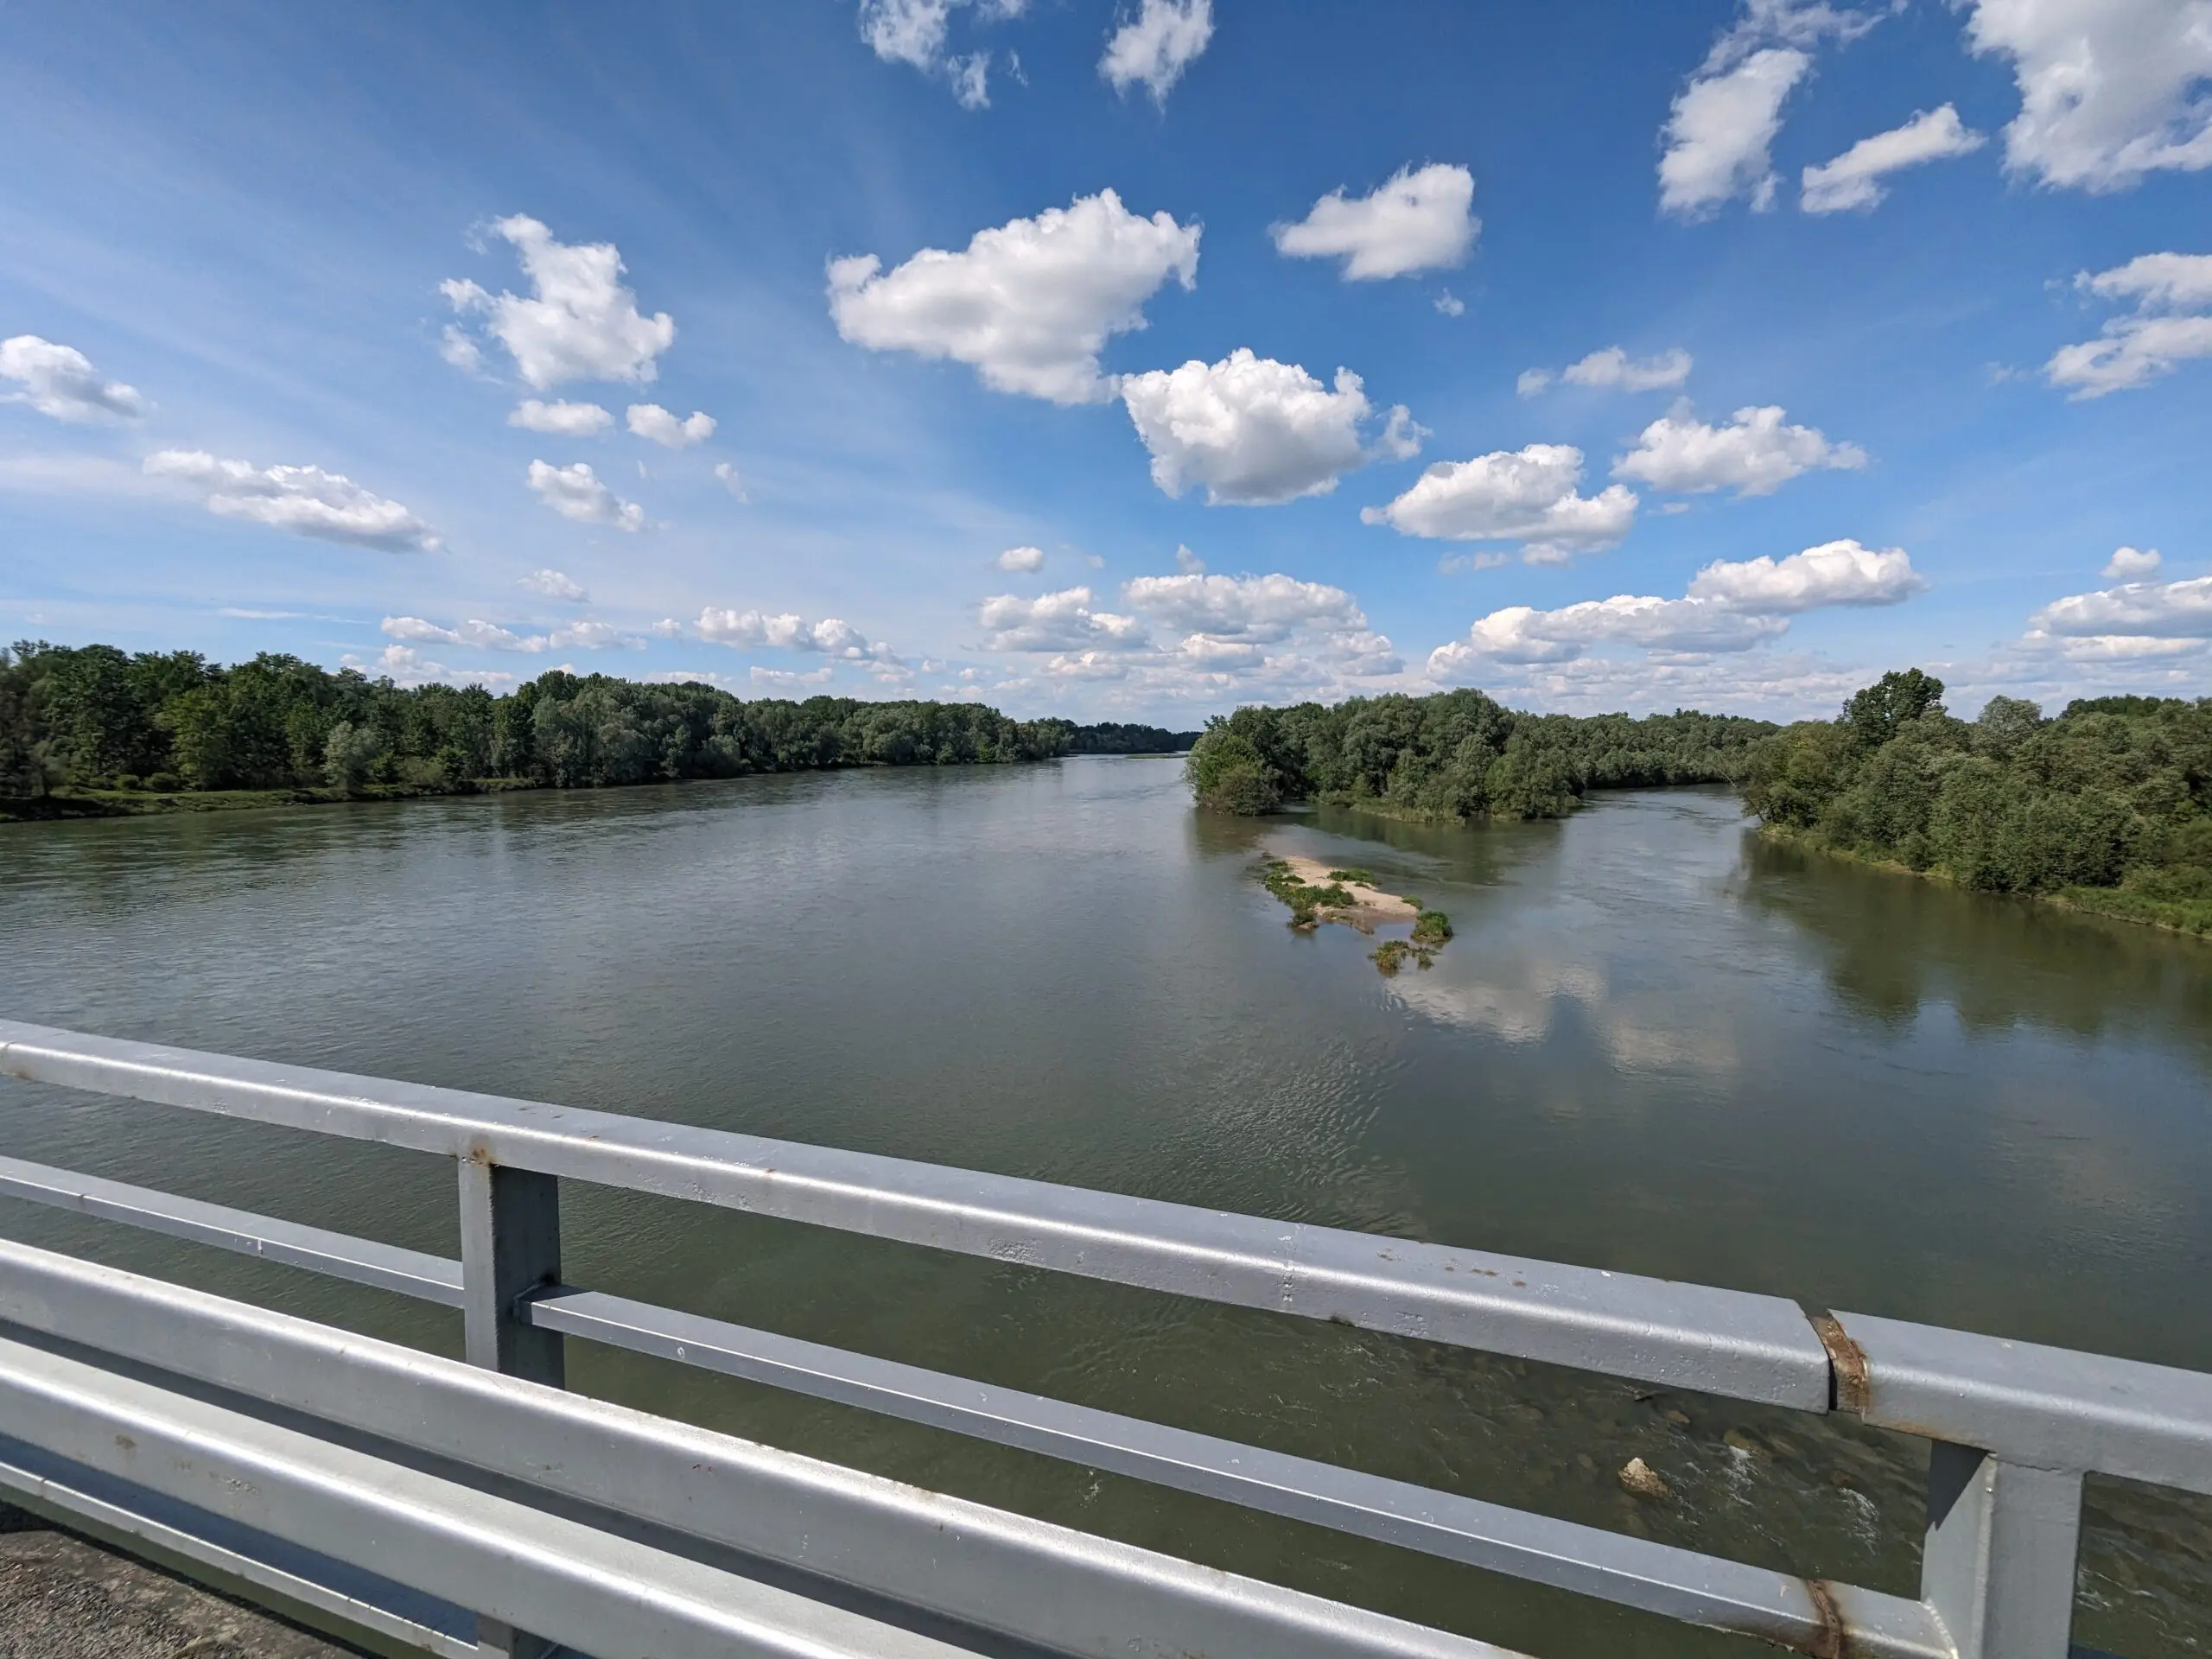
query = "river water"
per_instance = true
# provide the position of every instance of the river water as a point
(1655, 1044)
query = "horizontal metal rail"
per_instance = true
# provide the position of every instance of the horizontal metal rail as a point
(1608, 1566)
(1723, 1342)
(1075, 1594)
(591, 1590)
(65, 1498)
(1678, 1584)
(2044, 1407)
(336, 1256)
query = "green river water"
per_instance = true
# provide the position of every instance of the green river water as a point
(1656, 1044)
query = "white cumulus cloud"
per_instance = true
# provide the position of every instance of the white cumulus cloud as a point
(1021, 558)
(1835, 573)
(579, 324)
(2171, 323)
(2110, 90)
(657, 425)
(553, 584)
(1613, 369)
(1731, 606)
(1256, 432)
(1853, 179)
(576, 492)
(305, 500)
(1062, 621)
(730, 481)
(562, 419)
(1155, 47)
(1420, 220)
(1264, 610)
(832, 636)
(2131, 564)
(1030, 303)
(587, 635)
(1526, 495)
(1521, 633)
(1720, 131)
(914, 32)
(2141, 610)
(1754, 454)
(61, 383)
(1720, 134)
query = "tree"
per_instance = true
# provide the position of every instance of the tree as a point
(1875, 713)
(350, 754)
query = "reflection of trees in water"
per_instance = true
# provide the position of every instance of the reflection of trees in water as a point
(1896, 941)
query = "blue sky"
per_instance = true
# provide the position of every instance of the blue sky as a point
(1626, 422)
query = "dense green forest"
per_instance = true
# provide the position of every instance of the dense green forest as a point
(2104, 806)
(92, 728)
(1111, 738)
(1456, 754)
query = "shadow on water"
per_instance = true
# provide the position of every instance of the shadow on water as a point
(1652, 1046)
(1897, 942)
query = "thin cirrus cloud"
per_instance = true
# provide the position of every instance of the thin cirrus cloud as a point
(1254, 432)
(1854, 181)
(1529, 496)
(578, 323)
(657, 425)
(2110, 90)
(305, 500)
(1755, 454)
(61, 383)
(575, 493)
(1154, 47)
(1720, 133)
(1731, 606)
(2170, 324)
(1029, 304)
(1418, 220)
(560, 420)
(1612, 369)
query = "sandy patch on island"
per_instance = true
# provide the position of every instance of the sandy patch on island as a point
(1369, 906)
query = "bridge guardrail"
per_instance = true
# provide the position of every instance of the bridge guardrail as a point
(2014, 1425)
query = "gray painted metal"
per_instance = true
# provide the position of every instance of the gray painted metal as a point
(1677, 1584)
(109, 1522)
(1730, 1342)
(609, 1595)
(1028, 1579)
(364, 1261)
(2046, 1408)
(1999, 1563)
(510, 1248)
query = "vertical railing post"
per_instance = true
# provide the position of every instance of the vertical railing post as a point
(510, 1246)
(1999, 1561)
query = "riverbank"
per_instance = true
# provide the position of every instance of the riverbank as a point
(2189, 915)
(77, 803)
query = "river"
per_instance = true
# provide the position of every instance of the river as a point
(1655, 1044)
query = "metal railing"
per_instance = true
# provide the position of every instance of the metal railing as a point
(479, 1508)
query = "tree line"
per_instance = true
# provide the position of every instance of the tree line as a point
(1455, 756)
(90, 719)
(2107, 804)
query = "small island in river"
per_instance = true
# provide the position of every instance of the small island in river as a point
(1317, 893)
